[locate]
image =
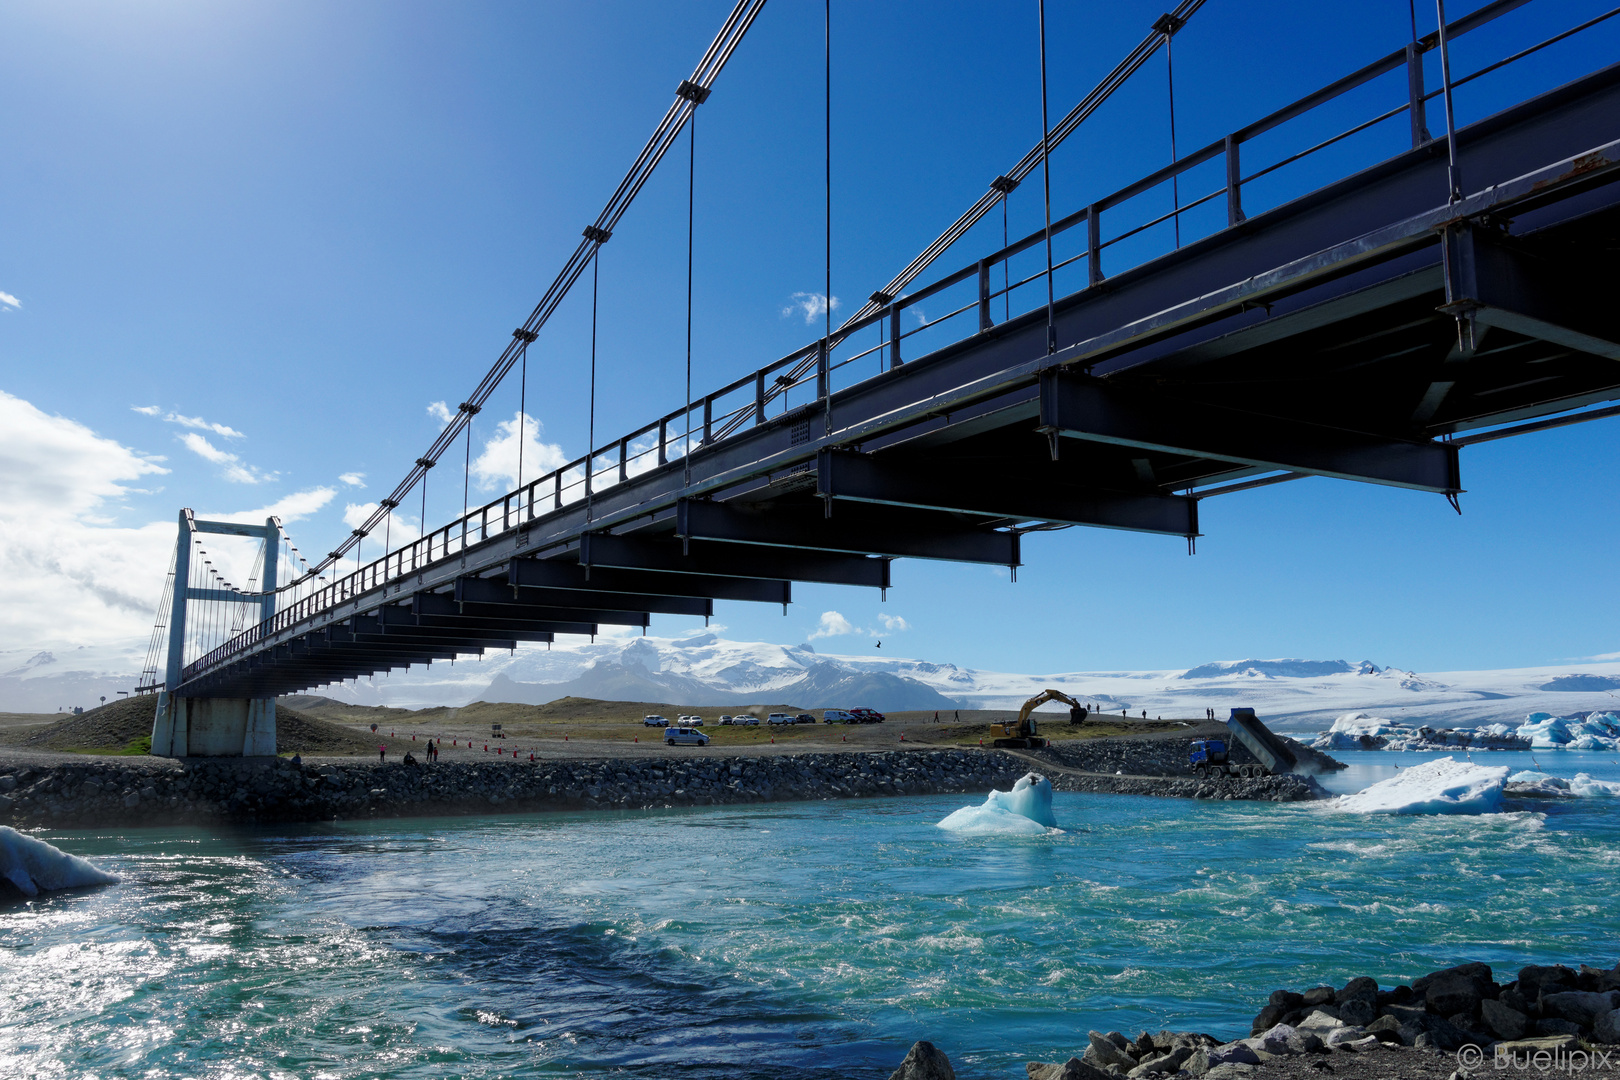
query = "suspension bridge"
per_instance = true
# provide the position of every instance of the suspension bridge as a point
(1134, 356)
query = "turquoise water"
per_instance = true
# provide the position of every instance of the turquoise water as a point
(802, 940)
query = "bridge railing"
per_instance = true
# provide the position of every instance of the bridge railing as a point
(882, 341)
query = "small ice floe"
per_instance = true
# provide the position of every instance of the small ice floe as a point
(33, 866)
(1363, 731)
(1026, 809)
(1540, 785)
(1442, 786)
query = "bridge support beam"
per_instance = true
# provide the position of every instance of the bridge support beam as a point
(841, 474)
(214, 727)
(896, 532)
(1079, 407)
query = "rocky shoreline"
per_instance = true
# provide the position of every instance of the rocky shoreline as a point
(159, 791)
(1444, 1024)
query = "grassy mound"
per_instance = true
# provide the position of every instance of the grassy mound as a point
(125, 727)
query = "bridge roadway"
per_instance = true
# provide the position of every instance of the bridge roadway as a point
(1355, 332)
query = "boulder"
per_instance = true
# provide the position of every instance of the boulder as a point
(1339, 1036)
(1213, 1057)
(1287, 999)
(1358, 1012)
(1607, 1028)
(1317, 995)
(1504, 1022)
(1514, 998)
(1269, 1017)
(1361, 988)
(1553, 1025)
(1479, 973)
(1598, 979)
(1581, 1006)
(1453, 993)
(1534, 977)
(925, 1061)
(1273, 1041)
(1232, 1070)
(1525, 1047)
(1073, 1069)
(1107, 1053)
(1163, 1063)
(1319, 1020)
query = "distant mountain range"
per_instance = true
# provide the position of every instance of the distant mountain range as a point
(707, 670)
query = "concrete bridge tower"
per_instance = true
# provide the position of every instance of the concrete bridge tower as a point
(214, 726)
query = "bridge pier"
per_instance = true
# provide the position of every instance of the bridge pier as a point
(214, 727)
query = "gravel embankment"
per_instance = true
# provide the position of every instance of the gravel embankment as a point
(160, 791)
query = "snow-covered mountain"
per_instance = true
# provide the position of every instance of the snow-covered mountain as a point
(705, 669)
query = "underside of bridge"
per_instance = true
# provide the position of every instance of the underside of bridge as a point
(1359, 333)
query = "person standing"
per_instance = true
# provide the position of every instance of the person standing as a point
(382, 753)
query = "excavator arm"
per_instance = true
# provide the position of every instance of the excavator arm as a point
(1022, 732)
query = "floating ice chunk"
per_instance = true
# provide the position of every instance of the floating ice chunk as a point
(1593, 731)
(1586, 787)
(1441, 786)
(32, 865)
(1027, 809)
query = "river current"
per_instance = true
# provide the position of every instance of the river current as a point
(803, 940)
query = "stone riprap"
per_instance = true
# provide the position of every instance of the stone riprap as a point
(154, 791)
(1287, 788)
(1166, 756)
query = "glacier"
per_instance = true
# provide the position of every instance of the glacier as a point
(1025, 810)
(32, 866)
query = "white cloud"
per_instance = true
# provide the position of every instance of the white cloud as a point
(833, 625)
(893, 623)
(233, 468)
(72, 578)
(439, 411)
(7, 300)
(811, 305)
(353, 479)
(496, 466)
(196, 422)
(294, 507)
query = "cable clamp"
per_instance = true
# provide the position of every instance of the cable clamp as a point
(1004, 184)
(1167, 24)
(426, 463)
(525, 336)
(470, 409)
(597, 235)
(692, 92)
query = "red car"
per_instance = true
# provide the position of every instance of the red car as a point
(867, 716)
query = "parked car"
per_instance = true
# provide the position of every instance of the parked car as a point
(838, 716)
(694, 721)
(868, 716)
(804, 718)
(685, 736)
(779, 718)
(745, 721)
(725, 721)
(654, 721)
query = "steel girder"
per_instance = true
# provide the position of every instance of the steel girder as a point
(879, 530)
(572, 576)
(481, 593)
(1020, 495)
(741, 560)
(1079, 407)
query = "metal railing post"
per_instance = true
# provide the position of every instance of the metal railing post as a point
(1093, 244)
(759, 397)
(821, 369)
(708, 419)
(1414, 95)
(1234, 182)
(663, 442)
(624, 459)
(984, 296)
(894, 336)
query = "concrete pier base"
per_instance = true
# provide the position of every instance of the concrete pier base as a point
(214, 727)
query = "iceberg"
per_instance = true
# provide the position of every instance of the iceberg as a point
(1026, 809)
(1442, 786)
(1361, 731)
(1581, 731)
(1530, 784)
(32, 865)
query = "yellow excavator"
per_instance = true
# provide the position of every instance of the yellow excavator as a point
(1021, 734)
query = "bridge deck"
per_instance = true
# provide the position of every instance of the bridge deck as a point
(1350, 333)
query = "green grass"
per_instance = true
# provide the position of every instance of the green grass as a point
(137, 748)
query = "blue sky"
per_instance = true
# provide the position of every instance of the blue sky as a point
(284, 230)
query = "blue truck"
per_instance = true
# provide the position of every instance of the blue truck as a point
(1211, 757)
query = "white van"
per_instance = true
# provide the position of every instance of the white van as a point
(779, 718)
(838, 716)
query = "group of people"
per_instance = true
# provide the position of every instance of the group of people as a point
(431, 752)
